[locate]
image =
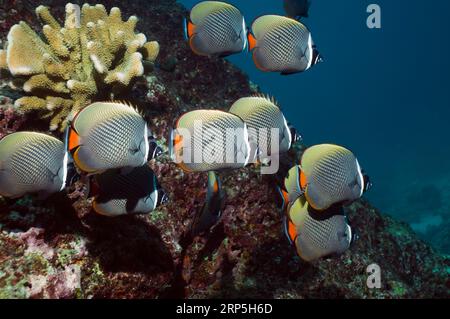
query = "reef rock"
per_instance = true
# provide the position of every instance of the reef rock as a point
(60, 248)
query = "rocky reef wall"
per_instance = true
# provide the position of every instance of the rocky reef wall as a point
(60, 249)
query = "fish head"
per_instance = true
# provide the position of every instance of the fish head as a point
(352, 233)
(152, 201)
(148, 203)
(346, 236)
(363, 179)
(295, 134)
(344, 232)
(317, 57)
(339, 241)
(143, 149)
(154, 150)
(163, 198)
(367, 182)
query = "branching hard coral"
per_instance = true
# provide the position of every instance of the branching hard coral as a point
(93, 52)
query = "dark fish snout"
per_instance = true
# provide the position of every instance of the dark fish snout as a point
(163, 198)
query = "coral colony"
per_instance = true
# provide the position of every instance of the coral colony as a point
(94, 50)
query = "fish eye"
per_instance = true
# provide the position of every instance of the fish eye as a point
(134, 150)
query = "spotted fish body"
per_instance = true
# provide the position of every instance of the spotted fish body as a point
(216, 28)
(331, 175)
(262, 115)
(210, 140)
(121, 193)
(107, 135)
(282, 44)
(32, 162)
(314, 237)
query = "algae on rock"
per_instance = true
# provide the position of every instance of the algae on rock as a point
(93, 52)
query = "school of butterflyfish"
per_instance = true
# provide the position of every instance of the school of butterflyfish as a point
(109, 144)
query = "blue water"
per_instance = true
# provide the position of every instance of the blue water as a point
(385, 94)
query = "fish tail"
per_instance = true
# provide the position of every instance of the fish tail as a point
(214, 185)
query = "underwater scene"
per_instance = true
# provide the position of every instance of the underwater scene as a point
(257, 149)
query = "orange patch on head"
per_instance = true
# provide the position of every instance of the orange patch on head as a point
(292, 230)
(177, 139)
(74, 140)
(303, 180)
(177, 144)
(285, 196)
(251, 41)
(190, 29)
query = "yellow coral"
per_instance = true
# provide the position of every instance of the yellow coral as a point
(3, 64)
(151, 51)
(63, 72)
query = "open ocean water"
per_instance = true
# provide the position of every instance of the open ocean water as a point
(383, 93)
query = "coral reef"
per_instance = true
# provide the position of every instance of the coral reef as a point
(60, 248)
(92, 51)
(10, 120)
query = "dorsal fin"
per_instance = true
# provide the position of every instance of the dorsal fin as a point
(205, 8)
(268, 97)
(263, 24)
(125, 102)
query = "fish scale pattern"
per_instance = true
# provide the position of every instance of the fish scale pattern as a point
(220, 32)
(112, 135)
(332, 177)
(117, 152)
(283, 47)
(36, 163)
(262, 115)
(223, 142)
(28, 162)
(319, 238)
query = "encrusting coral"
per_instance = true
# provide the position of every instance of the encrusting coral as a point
(94, 50)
